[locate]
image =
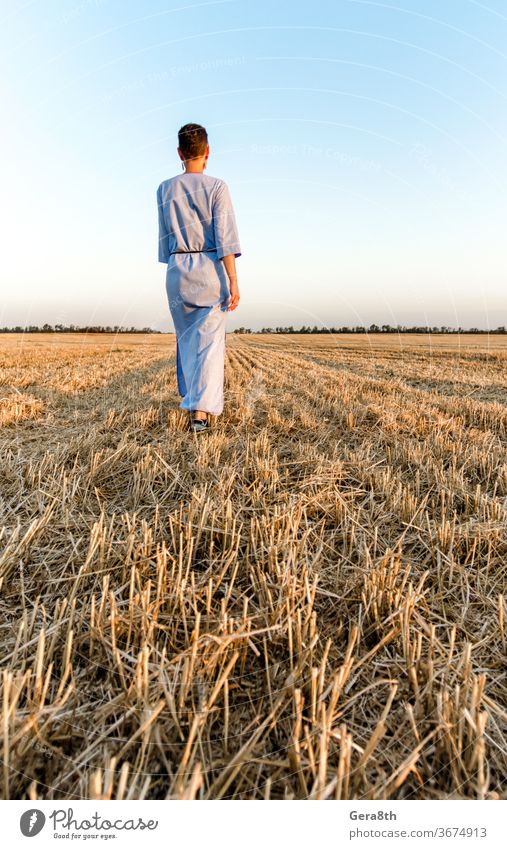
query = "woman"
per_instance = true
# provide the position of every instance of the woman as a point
(198, 240)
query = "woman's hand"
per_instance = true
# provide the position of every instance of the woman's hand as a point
(230, 266)
(234, 299)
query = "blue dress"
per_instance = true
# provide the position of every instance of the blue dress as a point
(197, 228)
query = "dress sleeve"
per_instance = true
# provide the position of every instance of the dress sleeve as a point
(163, 235)
(224, 223)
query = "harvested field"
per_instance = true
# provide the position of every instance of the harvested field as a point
(305, 602)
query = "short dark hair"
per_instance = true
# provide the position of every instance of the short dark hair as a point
(192, 139)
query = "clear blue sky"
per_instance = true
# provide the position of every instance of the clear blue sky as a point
(364, 145)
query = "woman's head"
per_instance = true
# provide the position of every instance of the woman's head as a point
(193, 143)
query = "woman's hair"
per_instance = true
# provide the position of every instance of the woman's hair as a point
(192, 140)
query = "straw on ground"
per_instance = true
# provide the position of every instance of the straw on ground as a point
(306, 602)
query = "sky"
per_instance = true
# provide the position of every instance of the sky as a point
(363, 143)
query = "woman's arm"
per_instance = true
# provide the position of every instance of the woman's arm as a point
(163, 235)
(230, 267)
(226, 238)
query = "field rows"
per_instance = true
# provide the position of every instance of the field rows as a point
(306, 602)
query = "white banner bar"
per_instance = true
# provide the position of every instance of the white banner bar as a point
(272, 825)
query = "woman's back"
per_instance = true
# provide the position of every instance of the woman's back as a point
(196, 214)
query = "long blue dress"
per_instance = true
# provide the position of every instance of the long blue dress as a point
(197, 228)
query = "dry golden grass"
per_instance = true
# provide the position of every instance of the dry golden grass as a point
(305, 602)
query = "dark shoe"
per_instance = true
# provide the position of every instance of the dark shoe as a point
(198, 425)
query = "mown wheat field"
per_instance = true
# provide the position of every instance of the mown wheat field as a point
(305, 602)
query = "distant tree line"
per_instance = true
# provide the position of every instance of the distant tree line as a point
(73, 328)
(373, 328)
(359, 328)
